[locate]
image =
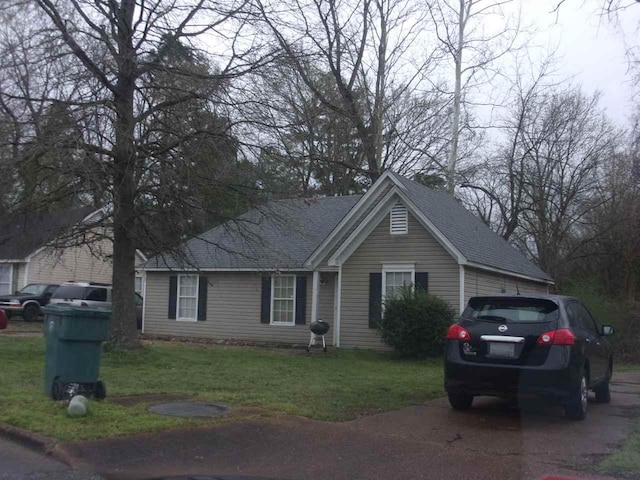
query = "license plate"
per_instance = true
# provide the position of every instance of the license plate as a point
(502, 349)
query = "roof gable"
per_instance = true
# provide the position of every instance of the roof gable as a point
(460, 232)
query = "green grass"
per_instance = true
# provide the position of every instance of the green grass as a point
(626, 461)
(341, 385)
(625, 367)
(16, 324)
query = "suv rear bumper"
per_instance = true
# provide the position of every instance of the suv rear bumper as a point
(554, 379)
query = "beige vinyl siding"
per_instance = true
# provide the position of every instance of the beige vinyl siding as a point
(418, 247)
(71, 264)
(326, 305)
(480, 282)
(233, 310)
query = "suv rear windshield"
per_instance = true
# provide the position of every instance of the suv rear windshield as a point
(511, 310)
(70, 292)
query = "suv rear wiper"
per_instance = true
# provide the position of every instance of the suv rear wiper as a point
(492, 318)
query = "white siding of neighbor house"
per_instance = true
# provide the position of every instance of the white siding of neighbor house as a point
(233, 309)
(480, 282)
(417, 246)
(72, 264)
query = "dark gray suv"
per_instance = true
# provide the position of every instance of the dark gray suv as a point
(511, 345)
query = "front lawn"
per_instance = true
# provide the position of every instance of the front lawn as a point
(625, 462)
(340, 385)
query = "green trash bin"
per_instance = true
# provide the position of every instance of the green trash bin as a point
(74, 337)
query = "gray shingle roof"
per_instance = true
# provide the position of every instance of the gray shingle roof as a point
(24, 234)
(467, 233)
(280, 235)
(284, 233)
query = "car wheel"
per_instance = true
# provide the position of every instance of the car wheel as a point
(576, 406)
(30, 313)
(603, 394)
(460, 400)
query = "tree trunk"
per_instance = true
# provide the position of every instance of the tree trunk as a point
(457, 102)
(379, 103)
(123, 326)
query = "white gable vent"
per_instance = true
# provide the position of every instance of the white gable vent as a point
(399, 219)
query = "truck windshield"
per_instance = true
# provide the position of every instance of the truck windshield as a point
(511, 310)
(34, 289)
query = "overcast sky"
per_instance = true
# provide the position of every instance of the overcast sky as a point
(592, 47)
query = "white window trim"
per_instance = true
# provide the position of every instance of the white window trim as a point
(141, 277)
(273, 285)
(10, 278)
(178, 317)
(405, 230)
(396, 268)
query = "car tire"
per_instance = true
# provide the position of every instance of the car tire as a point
(576, 406)
(460, 400)
(30, 313)
(603, 394)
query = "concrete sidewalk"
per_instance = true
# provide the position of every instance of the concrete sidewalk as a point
(431, 441)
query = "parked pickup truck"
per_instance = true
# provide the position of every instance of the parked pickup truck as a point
(28, 301)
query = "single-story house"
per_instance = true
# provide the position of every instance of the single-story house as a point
(30, 251)
(266, 275)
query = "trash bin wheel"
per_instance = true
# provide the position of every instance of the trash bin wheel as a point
(57, 391)
(101, 390)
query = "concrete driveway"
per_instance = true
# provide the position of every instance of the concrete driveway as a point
(430, 441)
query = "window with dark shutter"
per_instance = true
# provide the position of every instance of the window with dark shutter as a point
(173, 296)
(301, 299)
(265, 300)
(203, 287)
(375, 299)
(422, 281)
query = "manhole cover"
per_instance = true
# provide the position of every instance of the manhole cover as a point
(189, 409)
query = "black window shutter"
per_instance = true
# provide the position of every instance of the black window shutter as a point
(173, 296)
(375, 299)
(422, 281)
(301, 299)
(203, 284)
(265, 303)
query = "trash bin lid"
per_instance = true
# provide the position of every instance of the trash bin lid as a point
(75, 311)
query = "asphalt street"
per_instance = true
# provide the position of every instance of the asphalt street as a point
(21, 463)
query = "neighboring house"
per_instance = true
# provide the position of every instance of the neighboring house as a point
(266, 275)
(28, 252)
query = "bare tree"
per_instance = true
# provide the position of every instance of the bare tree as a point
(474, 49)
(365, 46)
(541, 186)
(117, 83)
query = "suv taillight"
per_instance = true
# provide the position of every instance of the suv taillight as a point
(456, 332)
(562, 336)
